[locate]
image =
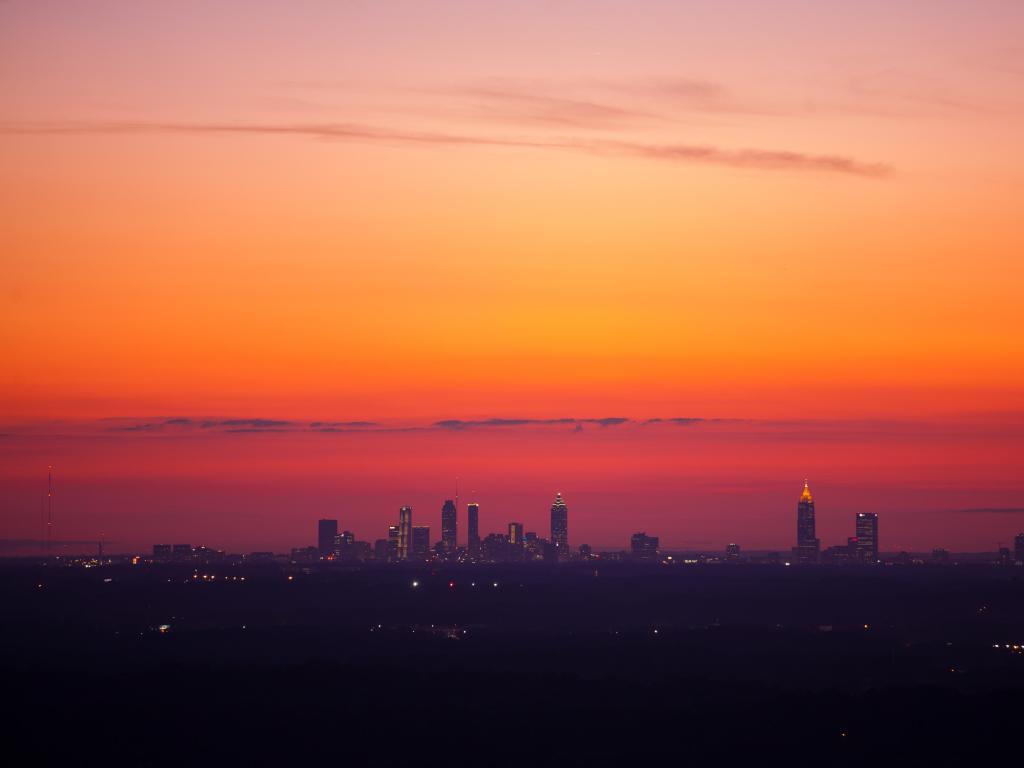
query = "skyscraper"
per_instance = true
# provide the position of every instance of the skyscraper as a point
(474, 529)
(326, 530)
(560, 526)
(807, 545)
(1018, 549)
(515, 533)
(393, 535)
(448, 522)
(515, 541)
(404, 532)
(867, 537)
(420, 541)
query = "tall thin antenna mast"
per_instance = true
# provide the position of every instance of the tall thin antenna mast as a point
(49, 508)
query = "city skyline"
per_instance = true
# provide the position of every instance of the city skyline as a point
(539, 382)
(326, 258)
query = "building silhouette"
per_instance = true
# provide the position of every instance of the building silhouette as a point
(807, 545)
(1018, 548)
(867, 537)
(448, 526)
(732, 552)
(643, 547)
(473, 513)
(404, 532)
(393, 536)
(494, 548)
(326, 530)
(515, 541)
(560, 526)
(420, 541)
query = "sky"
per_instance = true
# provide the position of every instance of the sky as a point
(266, 262)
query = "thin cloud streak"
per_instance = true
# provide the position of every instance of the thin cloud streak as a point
(754, 159)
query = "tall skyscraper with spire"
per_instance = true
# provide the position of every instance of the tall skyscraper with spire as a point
(474, 529)
(807, 545)
(448, 526)
(404, 532)
(560, 526)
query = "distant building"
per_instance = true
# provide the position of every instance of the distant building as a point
(1018, 549)
(393, 535)
(842, 554)
(732, 552)
(533, 546)
(1005, 556)
(161, 551)
(404, 532)
(343, 544)
(867, 536)
(473, 516)
(940, 556)
(380, 550)
(208, 555)
(807, 545)
(449, 518)
(560, 526)
(643, 547)
(420, 541)
(360, 550)
(515, 534)
(585, 552)
(495, 548)
(305, 554)
(181, 553)
(516, 541)
(326, 530)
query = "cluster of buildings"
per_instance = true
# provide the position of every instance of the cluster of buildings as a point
(862, 547)
(406, 542)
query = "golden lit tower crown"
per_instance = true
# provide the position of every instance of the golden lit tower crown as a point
(806, 495)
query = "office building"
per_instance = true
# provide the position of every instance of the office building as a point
(495, 548)
(560, 527)
(732, 553)
(807, 545)
(867, 537)
(404, 532)
(516, 542)
(643, 547)
(1018, 549)
(449, 538)
(515, 534)
(326, 530)
(161, 551)
(473, 514)
(420, 541)
(393, 536)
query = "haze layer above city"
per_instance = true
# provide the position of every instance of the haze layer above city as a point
(268, 263)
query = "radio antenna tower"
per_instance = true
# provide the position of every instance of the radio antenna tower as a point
(49, 508)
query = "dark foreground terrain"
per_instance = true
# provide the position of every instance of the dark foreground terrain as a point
(624, 665)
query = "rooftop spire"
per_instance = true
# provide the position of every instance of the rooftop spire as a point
(806, 495)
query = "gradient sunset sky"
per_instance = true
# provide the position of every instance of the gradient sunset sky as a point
(265, 262)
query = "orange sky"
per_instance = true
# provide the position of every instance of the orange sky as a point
(405, 212)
